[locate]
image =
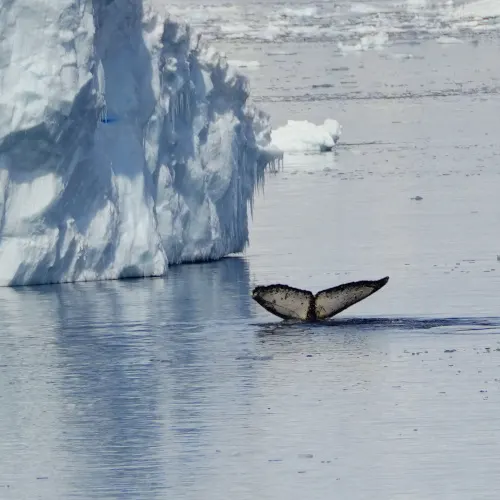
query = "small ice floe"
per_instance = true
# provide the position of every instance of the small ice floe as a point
(372, 41)
(304, 136)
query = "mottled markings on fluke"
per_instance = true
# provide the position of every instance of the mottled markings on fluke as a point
(287, 302)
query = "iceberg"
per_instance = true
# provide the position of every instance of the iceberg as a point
(126, 143)
(299, 136)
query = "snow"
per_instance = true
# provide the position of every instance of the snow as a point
(126, 143)
(303, 136)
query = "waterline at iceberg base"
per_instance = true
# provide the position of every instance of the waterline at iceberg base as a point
(126, 144)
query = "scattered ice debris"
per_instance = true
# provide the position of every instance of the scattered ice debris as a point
(375, 41)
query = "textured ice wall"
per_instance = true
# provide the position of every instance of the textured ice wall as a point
(126, 143)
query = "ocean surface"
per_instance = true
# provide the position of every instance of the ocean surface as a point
(185, 388)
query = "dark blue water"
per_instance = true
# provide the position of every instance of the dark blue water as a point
(183, 388)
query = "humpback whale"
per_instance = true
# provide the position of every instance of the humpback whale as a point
(287, 302)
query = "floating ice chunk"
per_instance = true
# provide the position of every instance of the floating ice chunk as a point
(448, 40)
(300, 12)
(297, 136)
(376, 41)
(416, 4)
(362, 8)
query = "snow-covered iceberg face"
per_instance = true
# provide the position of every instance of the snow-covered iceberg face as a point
(126, 144)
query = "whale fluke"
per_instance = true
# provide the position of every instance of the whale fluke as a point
(293, 303)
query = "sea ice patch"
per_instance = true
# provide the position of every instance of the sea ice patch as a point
(304, 136)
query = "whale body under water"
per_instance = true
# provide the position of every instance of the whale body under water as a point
(287, 302)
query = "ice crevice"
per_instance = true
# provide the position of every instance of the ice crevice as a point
(126, 143)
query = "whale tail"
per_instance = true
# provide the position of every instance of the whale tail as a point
(287, 302)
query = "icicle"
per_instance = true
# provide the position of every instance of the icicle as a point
(180, 106)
